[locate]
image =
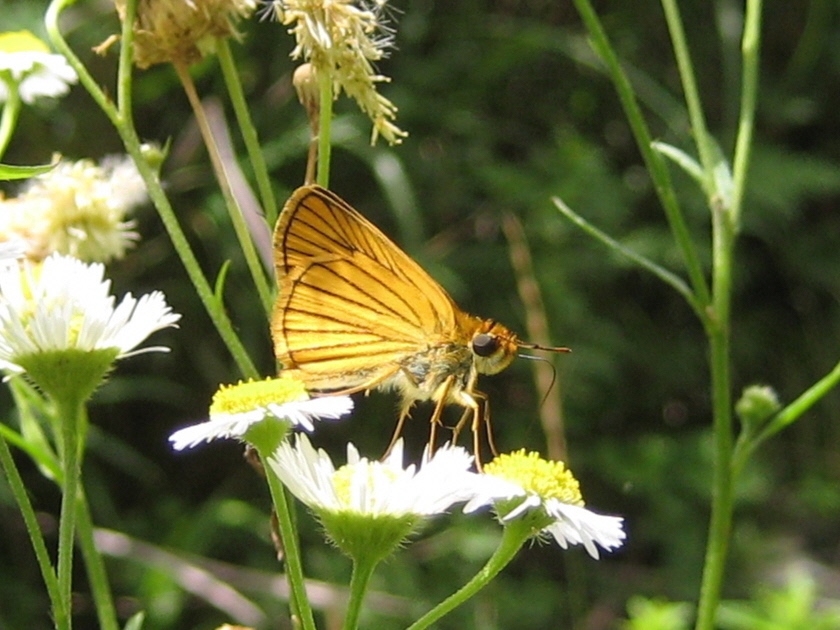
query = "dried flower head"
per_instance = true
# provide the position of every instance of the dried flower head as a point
(344, 41)
(77, 208)
(182, 31)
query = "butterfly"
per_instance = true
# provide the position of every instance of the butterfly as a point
(354, 312)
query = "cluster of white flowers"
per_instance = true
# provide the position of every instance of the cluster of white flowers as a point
(77, 208)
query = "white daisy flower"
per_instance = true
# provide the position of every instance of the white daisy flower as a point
(27, 64)
(375, 488)
(368, 508)
(237, 408)
(520, 484)
(64, 304)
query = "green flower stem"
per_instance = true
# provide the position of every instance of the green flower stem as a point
(718, 330)
(299, 600)
(69, 416)
(11, 111)
(122, 121)
(514, 535)
(234, 209)
(705, 145)
(324, 126)
(362, 572)
(750, 49)
(249, 132)
(653, 161)
(724, 228)
(59, 611)
(97, 577)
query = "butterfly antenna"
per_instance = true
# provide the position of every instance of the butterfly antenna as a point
(536, 346)
(548, 389)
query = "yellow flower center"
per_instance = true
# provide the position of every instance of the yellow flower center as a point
(378, 476)
(547, 479)
(21, 41)
(249, 395)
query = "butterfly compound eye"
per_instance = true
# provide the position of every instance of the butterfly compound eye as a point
(484, 345)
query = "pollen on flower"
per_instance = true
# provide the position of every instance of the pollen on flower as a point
(547, 479)
(249, 395)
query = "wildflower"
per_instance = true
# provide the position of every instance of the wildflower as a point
(59, 324)
(28, 67)
(523, 485)
(343, 41)
(78, 209)
(182, 31)
(237, 408)
(369, 507)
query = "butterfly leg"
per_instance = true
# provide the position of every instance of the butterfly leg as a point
(406, 411)
(440, 396)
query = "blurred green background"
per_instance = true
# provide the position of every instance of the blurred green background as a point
(506, 106)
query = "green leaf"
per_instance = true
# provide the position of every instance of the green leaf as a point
(10, 172)
(681, 159)
(136, 621)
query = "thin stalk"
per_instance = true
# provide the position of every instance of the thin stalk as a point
(653, 161)
(69, 416)
(722, 483)
(324, 128)
(705, 146)
(750, 51)
(362, 572)
(248, 130)
(97, 577)
(234, 209)
(85, 78)
(11, 111)
(514, 536)
(288, 532)
(60, 615)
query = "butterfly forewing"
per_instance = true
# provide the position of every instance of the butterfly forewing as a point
(352, 305)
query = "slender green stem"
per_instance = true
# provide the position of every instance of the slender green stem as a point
(124, 125)
(237, 218)
(124, 74)
(248, 130)
(85, 78)
(60, 615)
(362, 572)
(514, 536)
(291, 547)
(653, 161)
(69, 414)
(11, 111)
(325, 128)
(705, 146)
(722, 489)
(750, 51)
(97, 577)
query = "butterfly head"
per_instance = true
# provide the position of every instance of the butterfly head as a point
(493, 347)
